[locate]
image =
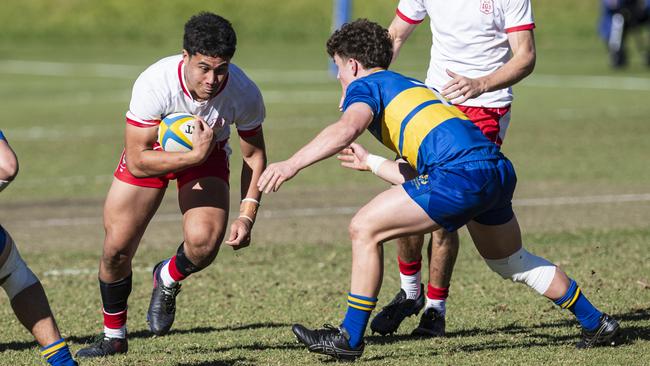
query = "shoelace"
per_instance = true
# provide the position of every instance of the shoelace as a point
(169, 297)
(327, 329)
(100, 341)
(99, 338)
(591, 341)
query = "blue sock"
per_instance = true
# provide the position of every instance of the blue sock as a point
(357, 316)
(58, 354)
(577, 303)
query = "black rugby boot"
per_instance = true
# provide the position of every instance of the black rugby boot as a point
(432, 324)
(391, 316)
(330, 341)
(104, 346)
(604, 335)
(162, 307)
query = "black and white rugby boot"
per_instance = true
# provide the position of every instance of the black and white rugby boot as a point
(330, 341)
(104, 346)
(162, 307)
(391, 316)
(432, 324)
(604, 335)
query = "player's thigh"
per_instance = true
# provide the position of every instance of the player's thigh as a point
(392, 214)
(127, 212)
(204, 203)
(496, 241)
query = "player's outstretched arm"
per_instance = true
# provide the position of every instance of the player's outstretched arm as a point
(142, 161)
(357, 157)
(328, 142)
(522, 43)
(254, 155)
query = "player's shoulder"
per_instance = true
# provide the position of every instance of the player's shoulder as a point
(161, 70)
(513, 4)
(239, 77)
(240, 83)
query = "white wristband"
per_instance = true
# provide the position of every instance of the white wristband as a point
(374, 162)
(248, 199)
(247, 218)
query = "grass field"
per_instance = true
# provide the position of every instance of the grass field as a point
(578, 138)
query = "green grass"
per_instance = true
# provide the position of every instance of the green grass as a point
(567, 138)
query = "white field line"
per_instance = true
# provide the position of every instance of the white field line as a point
(118, 71)
(318, 211)
(588, 82)
(348, 210)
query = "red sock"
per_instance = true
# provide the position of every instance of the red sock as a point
(409, 268)
(437, 293)
(173, 270)
(114, 321)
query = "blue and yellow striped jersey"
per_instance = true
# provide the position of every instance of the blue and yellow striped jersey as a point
(417, 123)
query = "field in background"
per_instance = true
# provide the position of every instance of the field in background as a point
(580, 132)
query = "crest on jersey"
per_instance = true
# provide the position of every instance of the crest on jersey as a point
(487, 6)
(217, 122)
(421, 181)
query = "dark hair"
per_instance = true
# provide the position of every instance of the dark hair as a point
(210, 35)
(365, 41)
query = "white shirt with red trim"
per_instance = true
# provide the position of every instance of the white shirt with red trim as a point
(469, 37)
(161, 90)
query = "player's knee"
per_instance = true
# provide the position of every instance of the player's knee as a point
(359, 230)
(15, 276)
(115, 257)
(525, 267)
(204, 243)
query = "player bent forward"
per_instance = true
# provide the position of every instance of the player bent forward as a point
(464, 179)
(25, 292)
(202, 82)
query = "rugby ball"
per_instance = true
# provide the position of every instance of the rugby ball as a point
(175, 132)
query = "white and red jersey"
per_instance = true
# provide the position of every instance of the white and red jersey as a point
(161, 90)
(469, 37)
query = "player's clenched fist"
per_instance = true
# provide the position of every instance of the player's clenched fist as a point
(202, 139)
(274, 175)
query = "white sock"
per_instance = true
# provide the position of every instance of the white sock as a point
(438, 305)
(167, 279)
(115, 333)
(411, 284)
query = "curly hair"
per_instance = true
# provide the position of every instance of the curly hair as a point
(365, 41)
(209, 34)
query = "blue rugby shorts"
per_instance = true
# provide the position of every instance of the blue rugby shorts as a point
(476, 190)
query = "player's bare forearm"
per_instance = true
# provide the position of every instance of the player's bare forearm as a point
(254, 162)
(142, 161)
(334, 137)
(328, 142)
(394, 172)
(399, 31)
(152, 163)
(518, 67)
(357, 157)
(461, 88)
